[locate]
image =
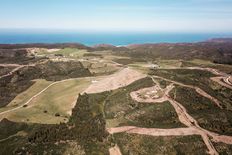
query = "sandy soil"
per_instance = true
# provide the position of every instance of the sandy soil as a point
(53, 50)
(155, 131)
(115, 150)
(226, 82)
(150, 94)
(119, 79)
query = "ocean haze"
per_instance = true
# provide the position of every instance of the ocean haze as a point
(93, 38)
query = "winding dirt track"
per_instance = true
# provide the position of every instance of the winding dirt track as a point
(35, 96)
(198, 90)
(193, 127)
(226, 82)
(220, 76)
(111, 82)
(14, 70)
(127, 76)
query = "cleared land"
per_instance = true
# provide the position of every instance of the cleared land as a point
(171, 110)
(120, 79)
(54, 105)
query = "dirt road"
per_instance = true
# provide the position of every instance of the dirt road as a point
(14, 70)
(115, 81)
(36, 95)
(220, 80)
(115, 150)
(155, 131)
(193, 127)
(198, 90)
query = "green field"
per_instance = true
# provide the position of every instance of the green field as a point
(58, 99)
(26, 95)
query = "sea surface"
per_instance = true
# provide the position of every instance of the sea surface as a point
(90, 39)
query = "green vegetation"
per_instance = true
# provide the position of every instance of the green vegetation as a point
(223, 149)
(156, 115)
(163, 83)
(23, 97)
(148, 145)
(86, 129)
(168, 63)
(208, 115)
(121, 110)
(204, 63)
(5, 70)
(21, 80)
(200, 79)
(119, 101)
(58, 98)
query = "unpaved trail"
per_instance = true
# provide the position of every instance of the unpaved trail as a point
(198, 90)
(155, 131)
(107, 83)
(226, 82)
(224, 76)
(189, 121)
(36, 95)
(20, 133)
(14, 70)
(119, 79)
(185, 118)
(115, 150)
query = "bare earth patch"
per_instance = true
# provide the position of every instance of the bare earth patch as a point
(115, 150)
(225, 82)
(155, 131)
(150, 94)
(119, 79)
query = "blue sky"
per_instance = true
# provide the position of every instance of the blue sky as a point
(118, 15)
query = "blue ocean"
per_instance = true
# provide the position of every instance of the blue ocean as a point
(90, 39)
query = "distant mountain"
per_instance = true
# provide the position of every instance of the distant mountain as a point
(217, 50)
(39, 45)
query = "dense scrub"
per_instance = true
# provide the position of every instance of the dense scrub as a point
(206, 112)
(148, 145)
(213, 51)
(20, 80)
(200, 79)
(222, 148)
(86, 129)
(121, 110)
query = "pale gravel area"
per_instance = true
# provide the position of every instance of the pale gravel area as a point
(53, 50)
(115, 150)
(117, 80)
